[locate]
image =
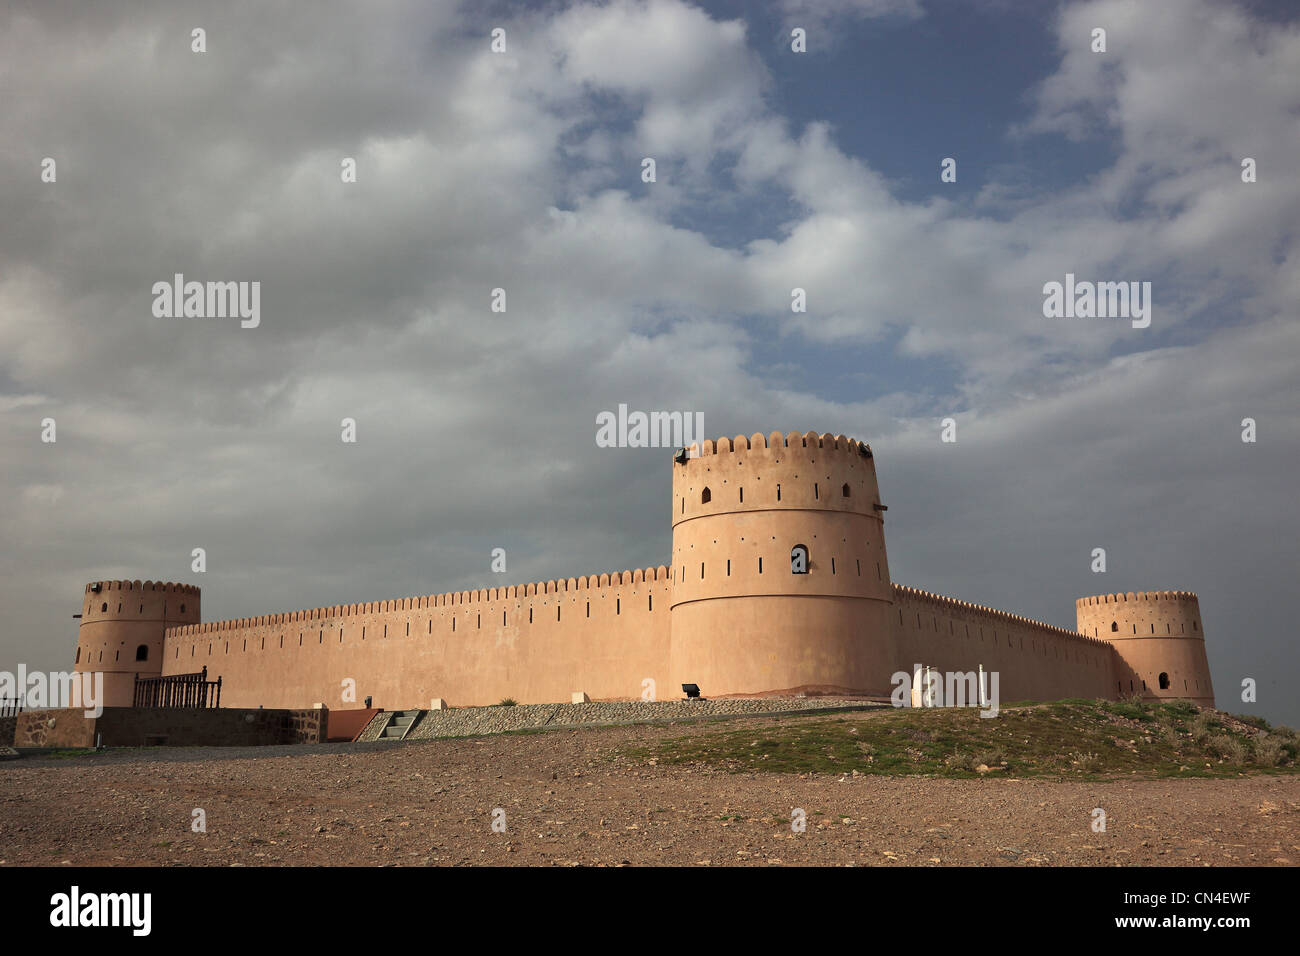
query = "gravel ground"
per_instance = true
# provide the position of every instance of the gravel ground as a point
(574, 797)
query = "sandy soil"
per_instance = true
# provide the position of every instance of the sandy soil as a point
(572, 798)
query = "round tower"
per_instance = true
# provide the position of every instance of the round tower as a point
(121, 634)
(1158, 640)
(780, 580)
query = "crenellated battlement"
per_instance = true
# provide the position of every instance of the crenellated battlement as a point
(1134, 597)
(142, 586)
(590, 582)
(758, 442)
(916, 594)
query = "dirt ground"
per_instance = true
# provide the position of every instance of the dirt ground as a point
(572, 797)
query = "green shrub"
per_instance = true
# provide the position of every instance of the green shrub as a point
(958, 761)
(1087, 762)
(990, 758)
(1270, 751)
(1201, 728)
(1230, 749)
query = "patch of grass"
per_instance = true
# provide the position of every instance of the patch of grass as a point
(1177, 710)
(507, 702)
(1069, 739)
(1132, 708)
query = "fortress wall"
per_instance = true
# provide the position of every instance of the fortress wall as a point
(469, 647)
(1035, 661)
(732, 613)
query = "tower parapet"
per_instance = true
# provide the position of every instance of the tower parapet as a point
(121, 633)
(1158, 639)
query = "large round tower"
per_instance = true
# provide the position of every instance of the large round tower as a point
(780, 581)
(121, 635)
(1158, 640)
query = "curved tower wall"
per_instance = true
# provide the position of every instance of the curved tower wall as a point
(124, 621)
(1153, 633)
(741, 621)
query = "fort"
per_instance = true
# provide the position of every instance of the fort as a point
(778, 585)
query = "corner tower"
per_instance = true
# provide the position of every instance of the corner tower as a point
(742, 620)
(1158, 640)
(121, 634)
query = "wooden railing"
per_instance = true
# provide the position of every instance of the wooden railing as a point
(178, 690)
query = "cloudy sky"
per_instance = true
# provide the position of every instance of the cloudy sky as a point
(522, 170)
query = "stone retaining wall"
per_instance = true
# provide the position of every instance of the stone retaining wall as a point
(171, 726)
(465, 721)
